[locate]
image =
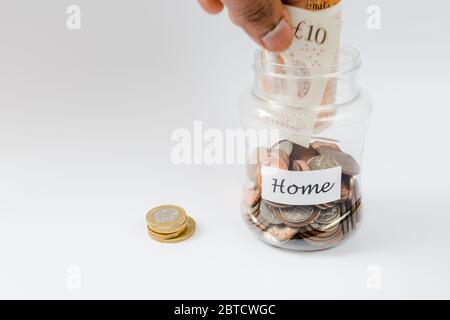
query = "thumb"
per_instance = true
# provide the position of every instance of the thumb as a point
(266, 21)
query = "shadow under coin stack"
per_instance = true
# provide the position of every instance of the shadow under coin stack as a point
(303, 227)
(169, 224)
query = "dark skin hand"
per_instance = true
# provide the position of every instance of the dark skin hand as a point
(267, 22)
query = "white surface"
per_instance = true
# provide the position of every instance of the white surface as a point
(85, 124)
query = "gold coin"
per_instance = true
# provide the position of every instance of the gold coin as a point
(166, 236)
(190, 230)
(167, 219)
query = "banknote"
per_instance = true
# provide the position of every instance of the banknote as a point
(314, 52)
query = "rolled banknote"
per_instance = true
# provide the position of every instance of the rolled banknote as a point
(318, 5)
(314, 52)
(314, 5)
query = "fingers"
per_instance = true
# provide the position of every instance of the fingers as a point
(266, 21)
(211, 6)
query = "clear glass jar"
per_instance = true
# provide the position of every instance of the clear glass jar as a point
(302, 189)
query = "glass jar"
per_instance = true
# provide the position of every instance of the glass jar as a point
(302, 188)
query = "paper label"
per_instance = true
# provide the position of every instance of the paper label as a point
(301, 188)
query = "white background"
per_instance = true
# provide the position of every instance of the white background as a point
(85, 124)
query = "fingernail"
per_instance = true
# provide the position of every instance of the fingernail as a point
(280, 38)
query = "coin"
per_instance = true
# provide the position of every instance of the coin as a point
(166, 219)
(267, 214)
(254, 210)
(255, 220)
(252, 195)
(318, 144)
(277, 205)
(322, 162)
(297, 216)
(279, 234)
(190, 230)
(326, 239)
(356, 203)
(166, 236)
(327, 218)
(346, 161)
(282, 163)
(308, 231)
(358, 213)
(357, 192)
(344, 220)
(352, 218)
(333, 241)
(300, 165)
(250, 214)
(301, 153)
(284, 145)
(276, 159)
(346, 187)
(325, 206)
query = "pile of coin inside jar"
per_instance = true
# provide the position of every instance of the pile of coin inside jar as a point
(169, 224)
(303, 227)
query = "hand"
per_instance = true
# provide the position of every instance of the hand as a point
(267, 22)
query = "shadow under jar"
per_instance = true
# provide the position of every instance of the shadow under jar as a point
(302, 188)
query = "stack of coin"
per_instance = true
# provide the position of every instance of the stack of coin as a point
(304, 227)
(169, 224)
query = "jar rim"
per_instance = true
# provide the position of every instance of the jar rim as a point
(349, 61)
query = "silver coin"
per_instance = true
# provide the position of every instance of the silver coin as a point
(267, 213)
(327, 218)
(165, 215)
(297, 216)
(329, 215)
(346, 161)
(277, 205)
(322, 162)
